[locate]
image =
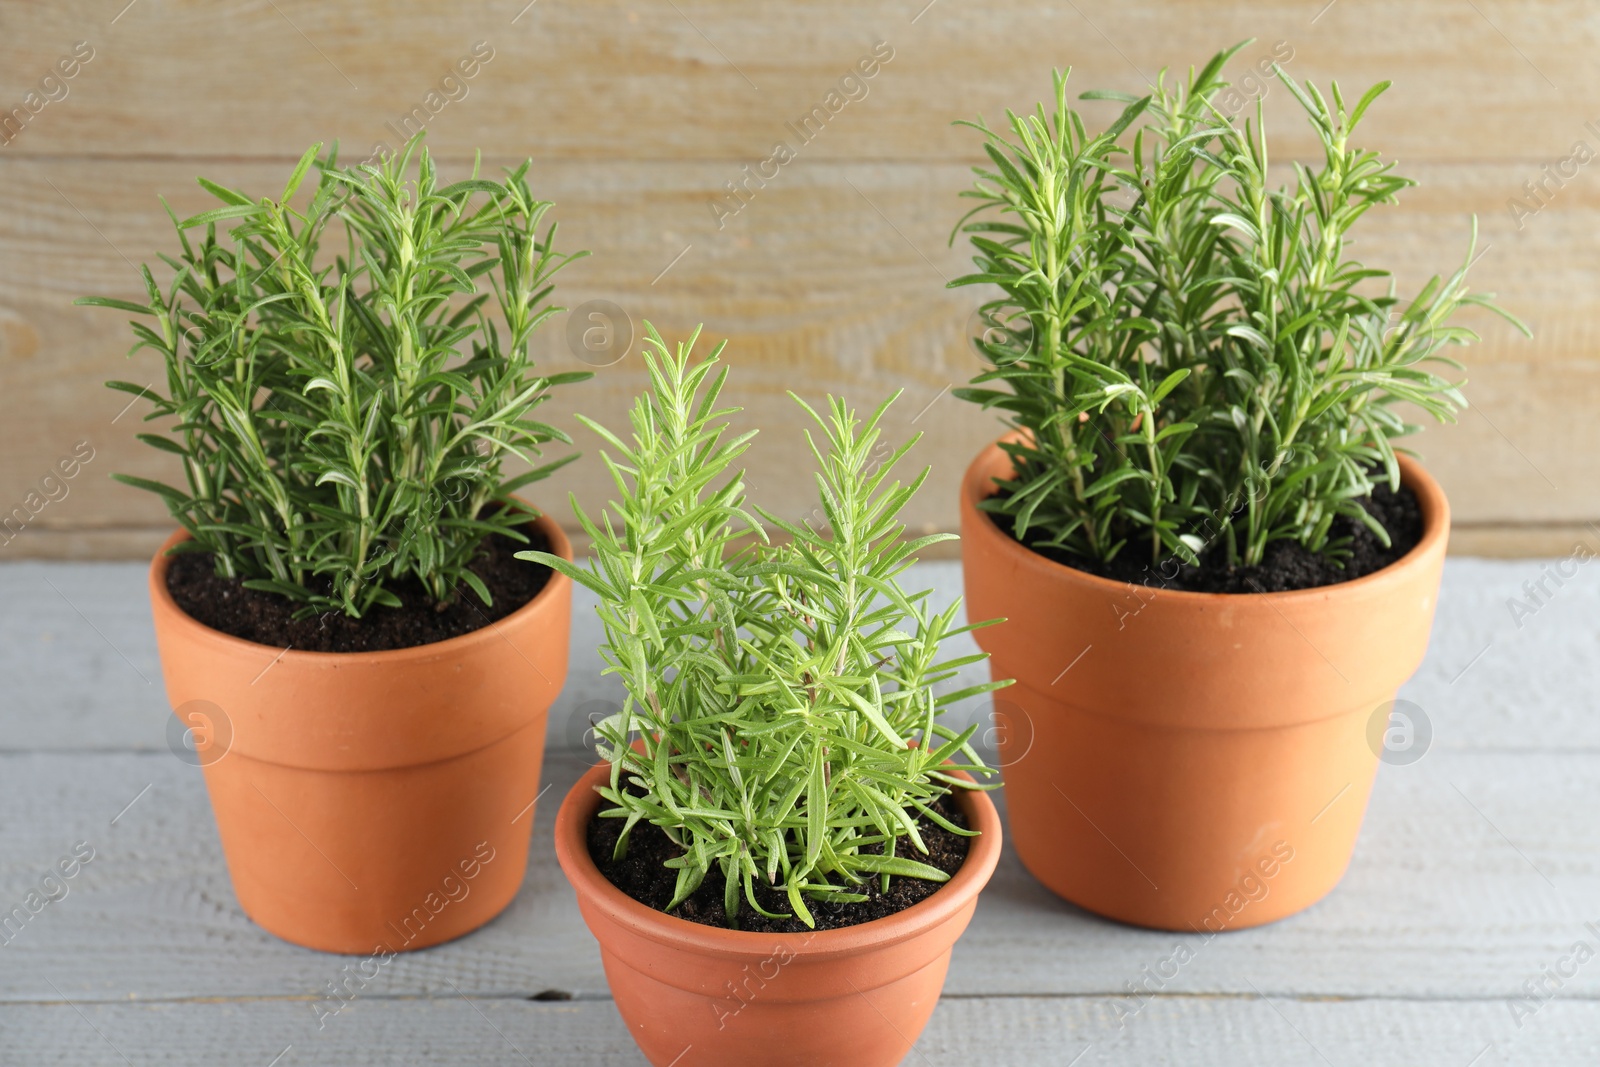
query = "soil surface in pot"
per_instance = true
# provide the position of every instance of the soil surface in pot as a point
(268, 619)
(640, 874)
(1286, 566)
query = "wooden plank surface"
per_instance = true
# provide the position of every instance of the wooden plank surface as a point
(73, 635)
(1245, 1031)
(1478, 867)
(830, 278)
(1462, 887)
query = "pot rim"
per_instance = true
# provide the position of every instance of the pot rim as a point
(196, 630)
(1431, 500)
(572, 852)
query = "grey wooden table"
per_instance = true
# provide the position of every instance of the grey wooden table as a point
(1453, 941)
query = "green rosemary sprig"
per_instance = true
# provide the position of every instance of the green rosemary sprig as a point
(781, 723)
(342, 421)
(1191, 354)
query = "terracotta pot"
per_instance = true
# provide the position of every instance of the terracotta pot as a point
(1191, 761)
(701, 996)
(373, 800)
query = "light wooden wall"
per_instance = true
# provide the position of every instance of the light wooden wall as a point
(832, 277)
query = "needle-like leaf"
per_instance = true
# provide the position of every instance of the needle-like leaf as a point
(343, 418)
(1178, 340)
(783, 694)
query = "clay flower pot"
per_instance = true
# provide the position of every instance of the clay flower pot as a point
(1191, 761)
(701, 996)
(374, 800)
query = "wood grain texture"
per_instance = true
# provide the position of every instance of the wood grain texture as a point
(831, 277)
(1447, 899)
(1246, 1031)
(716, 79)
(1498, 676)
(1478, 867)
(1437, 905)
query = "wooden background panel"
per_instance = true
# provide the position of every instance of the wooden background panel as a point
(718, 78)
(858, 309)
(831, 277)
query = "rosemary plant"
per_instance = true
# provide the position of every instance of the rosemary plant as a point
(1193, 358)
(781, 723)
(342, 421)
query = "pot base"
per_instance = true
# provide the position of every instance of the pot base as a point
(379, 862)
(1191, 830)
(853, 1030)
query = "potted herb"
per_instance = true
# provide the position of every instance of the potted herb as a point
(365, 666)
(782, 842)
(1216, 567)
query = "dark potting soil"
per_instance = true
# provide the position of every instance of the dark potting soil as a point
(642, 876)
(1287, 564)
(268, 618)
